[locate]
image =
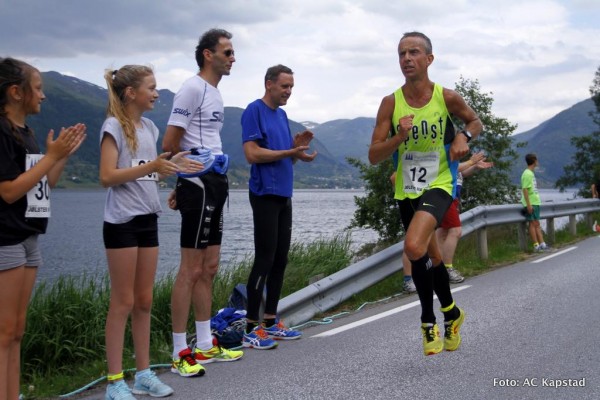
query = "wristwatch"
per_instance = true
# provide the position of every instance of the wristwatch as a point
(467, 134)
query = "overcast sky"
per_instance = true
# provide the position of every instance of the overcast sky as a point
(536, 57)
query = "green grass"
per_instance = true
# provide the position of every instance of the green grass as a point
(63, 348)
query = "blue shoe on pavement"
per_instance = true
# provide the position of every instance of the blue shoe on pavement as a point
(148, 383)
(118, 391)
(281, 332)
(258, 339)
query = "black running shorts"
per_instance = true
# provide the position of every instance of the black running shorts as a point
(141, 231)
(200, 201)
(433, 201)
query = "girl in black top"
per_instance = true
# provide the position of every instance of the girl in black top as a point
(25, 178)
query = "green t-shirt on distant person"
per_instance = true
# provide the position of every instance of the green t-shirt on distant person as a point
(528, 182)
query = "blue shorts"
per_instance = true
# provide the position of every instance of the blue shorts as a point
(26, 253)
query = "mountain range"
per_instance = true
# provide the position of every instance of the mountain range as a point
(550, 140)
(71, 100)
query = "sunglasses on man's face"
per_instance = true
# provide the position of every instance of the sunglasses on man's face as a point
(229, 53)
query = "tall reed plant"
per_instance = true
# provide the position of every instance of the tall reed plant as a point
(65, 324)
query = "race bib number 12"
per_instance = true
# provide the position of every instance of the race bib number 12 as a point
(38, 198)
(419, 170)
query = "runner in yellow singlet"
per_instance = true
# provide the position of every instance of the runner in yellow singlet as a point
(415, 121)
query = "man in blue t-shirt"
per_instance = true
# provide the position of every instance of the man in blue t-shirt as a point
(271, 150)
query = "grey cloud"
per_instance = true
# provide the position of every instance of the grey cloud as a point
(414, 14)
(64, 28)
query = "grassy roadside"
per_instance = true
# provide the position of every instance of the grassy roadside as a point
(63, 349)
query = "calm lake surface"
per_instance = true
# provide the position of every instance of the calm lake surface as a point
(73, 243)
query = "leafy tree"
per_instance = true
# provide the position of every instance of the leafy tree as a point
(595, 93)
(585, 168)
(492, 186)
(378, 209)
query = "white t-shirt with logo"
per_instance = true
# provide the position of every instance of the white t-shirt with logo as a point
(198, 108)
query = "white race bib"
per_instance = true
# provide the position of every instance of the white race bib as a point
(151, 177)
(419, 170)
(38, 198)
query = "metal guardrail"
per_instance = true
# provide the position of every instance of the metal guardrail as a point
(328, 292)
(487, 216)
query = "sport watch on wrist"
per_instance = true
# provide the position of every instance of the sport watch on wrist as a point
(467, 134)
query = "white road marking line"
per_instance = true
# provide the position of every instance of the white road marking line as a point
(378, 316)
(554, 255)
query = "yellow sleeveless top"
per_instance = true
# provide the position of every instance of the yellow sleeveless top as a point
(423, 158)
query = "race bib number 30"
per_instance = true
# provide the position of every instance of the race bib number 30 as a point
(38, 198)
(151, 177)
(419, 170)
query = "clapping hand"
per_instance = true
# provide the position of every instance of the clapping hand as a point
(304, 156)
(163, 166)
(479, 161)
(301, 145)
(187, 165)
(303, 138)
(475, 158)
(68, 141)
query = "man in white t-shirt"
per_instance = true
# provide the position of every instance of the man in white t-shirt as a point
(195, 125)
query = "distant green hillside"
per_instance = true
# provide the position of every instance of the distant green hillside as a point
(551, 142)
(71, 100)
(347, 137)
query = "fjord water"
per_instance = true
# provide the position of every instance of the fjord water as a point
(73, 244)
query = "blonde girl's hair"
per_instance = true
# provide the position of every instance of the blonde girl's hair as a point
(118, 81)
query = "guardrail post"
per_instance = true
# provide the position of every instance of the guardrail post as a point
(522, 235)
(573, 224)
(551, 233)
(589, 220)
(482, 245)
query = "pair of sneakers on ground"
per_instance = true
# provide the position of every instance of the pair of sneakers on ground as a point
(265, 337)
(146, 383)
(432, 343)
(189, 363)
(539, 248)
(453, 275)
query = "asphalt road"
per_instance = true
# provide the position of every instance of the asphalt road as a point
(530, 327)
